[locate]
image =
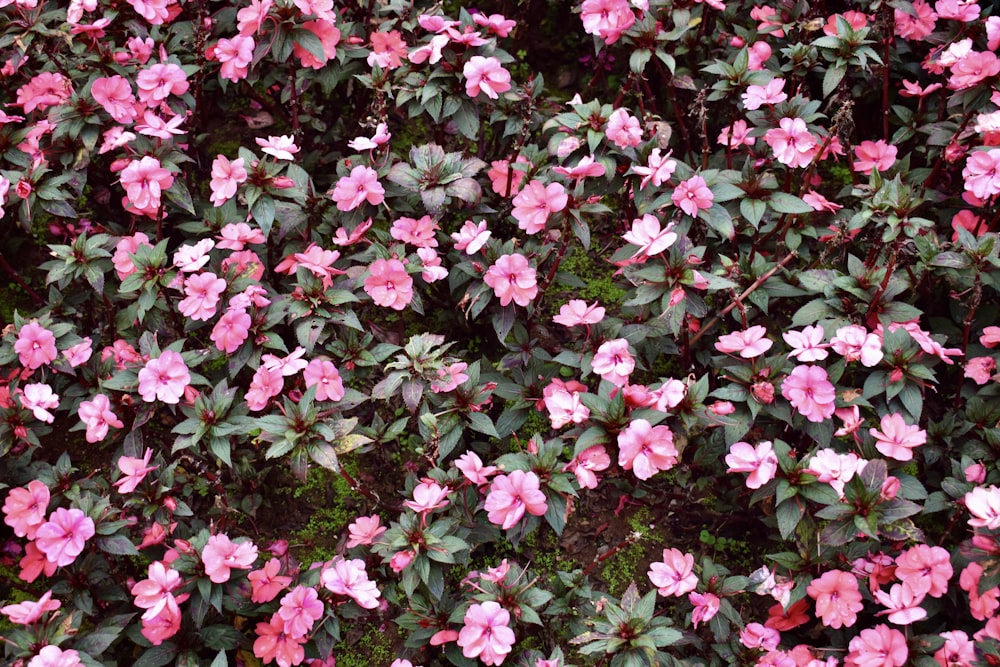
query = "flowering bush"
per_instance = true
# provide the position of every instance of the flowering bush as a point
(515, 285)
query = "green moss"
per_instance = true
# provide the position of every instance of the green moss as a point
(329, 496)
(598, 282)
(737, 554)
(375, 647)
(623, 568)
(536, 422)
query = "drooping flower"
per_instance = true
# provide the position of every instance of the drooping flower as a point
(657, 171)
(578, 313)
(471, 237)
(328, 34)
(29, 611)
(486, 634)
(281, 147)
(649, 237)
(983, 503)
(364, 530)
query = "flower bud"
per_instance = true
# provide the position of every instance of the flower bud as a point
(401, 560)
(722, 408)
(975, 473)
(763, 392)
(890, 487)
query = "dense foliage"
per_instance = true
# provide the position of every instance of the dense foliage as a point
(487, 269)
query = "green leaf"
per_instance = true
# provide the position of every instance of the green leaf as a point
(753, 210)
(789, 513)
(782, 202)
(117, 545)
(96, 641)
(262, 211)
(482, 423)
(834, 75)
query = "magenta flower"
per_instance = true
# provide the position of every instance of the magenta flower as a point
(24, 509)
(760, 461)
(221, 555)
(880, 646)
(646, 449)
(362, 185)
(39, 398)
(512, 495)
(897, 439)
(144, 181)
(322, 374)
(485, 75)
(623, 128)
(300, 609)
(749, 344)
(838, 598)
(486, 634)
(35, 346)
(613, 361)
(231, 330)
(348, 577)
(874, 155)
(810, 392)
(164, 378)
(64, 535)
(534, 204)
(674, 575)
(512, 279)
(693, 195)
(134, 470)
(388, 284)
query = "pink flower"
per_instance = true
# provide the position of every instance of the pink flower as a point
(300, 609)
(760, 461)
(820, 203)
(535, 203)
(326, 378)
(115, 95)
(64, 535)
(203, 291)
(578, 313)
(957, 651)
(382, 136)
(266, 583)
(235, 54)
(500, 171)
(586, 463)
(486, 634)
(471, 237)
(902, 604)
(562, 400)
(973, 68)
(586, 168)
(512, 279)
(675, 574)
(53, 656)
(613, 361)
(498, 24)
(221, 555)
(388, 50)
(231, 330)
(853, 342)
(982, 173)
(281, 147)
(144, 180)
(983, 503)
(401, 560)
(810, 392)
(274, 644)
(755, 635)
(792, 143)
(874, 155)
(24, 509)
(226, 177)
(768, 25)
(288, 365)
(880, 646)
(692, 195)
(265, 385)
(838, 598)
(329, 36)
(78, 354)
(449, 377)
(757, 96)
(623, 128)
(750, 343)
(758, 54)
(833, 468)
(982, 604)
(155, 594)
(428, 495)
(164, 378)
(607, 19)
(918, 25)
(512, 495)
(473, 469)
(485, 75)
(388, 284)
(657, 171)
(990, 337)
(736, 135)
(27, 612)
(980, 369)
(896, 440)
(646, 449)
(418, 232)
(647, 235)
(807, 344)
(39, 398)
(364, 530)
(158, 81)
(190, 258)
(706, 606)
(45, 90)
(134, 470)
(362, 185)
(925, 569)
(348, 577)
(35, 346)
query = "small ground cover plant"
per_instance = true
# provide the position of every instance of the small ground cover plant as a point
(590, 333)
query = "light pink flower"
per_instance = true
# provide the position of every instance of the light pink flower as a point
(562, 401)
(807, 344)
(880, 646)
(957, 651)
(471, 237)
(706, 606)
(144, 181)
(757, 96)
(982, 173)
(925, 569)
(512, 495)
(127, 246)
(231, 330)
(115, 95)
(749, 344)
(755, 635)
(202, 292)
(897, 440)
(810, 392)
(164, 378)
(536, 202)
(760, 461)
(158, 81)
(39, 398)
(265, 385)
(46, 89)
(623, 128)
(613, 361)
(674, 575)
(35, 346)
(853, 342)
(513, 279)
(485, 75)
(382, 136)
(874, 155)
(983, 503)
(833, 468)
(53, 656)
(364, 530)
(134, 470)
(646, 449)
(322, 374)
(190, 258)
(24, 509)
(820, 203)
(449, 377)
(300, 609)
(388, 284)
(980, 369)
(657, 171)
(902, 604)
(693, 195)
(792, 143)
(497, 24)
(416, 231)
(348, 577)
(281, 147)
(486, 634)
(79, 354)
(647, 235)
(155, 594)
(982, 604)
(428, 495)
(578, 313)
(768, 25)
(221, 555)
(736, 135)
(362, 185)
(838, 598)
(473, 469)
(266, 583)
(591, 460)
(29, 611)
(586, 168)
(226, 177)
(607, 19)
(64, 535)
